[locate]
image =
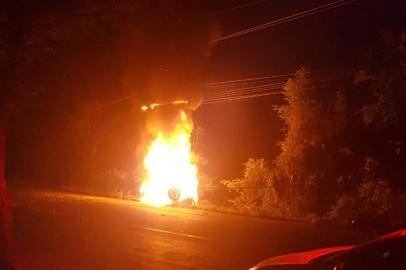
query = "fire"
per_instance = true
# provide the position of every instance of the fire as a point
(154, 105)
(170, 172)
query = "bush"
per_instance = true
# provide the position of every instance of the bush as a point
(369, 206)
(212, 192)
(376, 197)
(254, 193)
(115, 183)
(345, 210)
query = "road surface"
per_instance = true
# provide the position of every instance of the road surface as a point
(59, 230)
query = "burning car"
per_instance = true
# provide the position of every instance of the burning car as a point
(170, 171)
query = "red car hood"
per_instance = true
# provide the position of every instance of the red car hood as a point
(301, 257)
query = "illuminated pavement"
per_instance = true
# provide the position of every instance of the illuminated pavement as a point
(57, 230)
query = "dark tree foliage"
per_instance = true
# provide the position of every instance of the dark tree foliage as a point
(86, 68)
(63, 66)
(343, 156)
(314, 121)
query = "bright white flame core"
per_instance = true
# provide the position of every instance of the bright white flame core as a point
(168, 164)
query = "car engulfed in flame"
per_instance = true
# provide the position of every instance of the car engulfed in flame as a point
(170, 173)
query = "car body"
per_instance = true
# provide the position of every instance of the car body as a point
(386, 252)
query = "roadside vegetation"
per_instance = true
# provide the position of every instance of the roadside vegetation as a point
(342, 157)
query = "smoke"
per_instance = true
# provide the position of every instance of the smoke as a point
(179, 62)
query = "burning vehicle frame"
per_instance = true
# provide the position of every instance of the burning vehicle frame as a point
(170, 172)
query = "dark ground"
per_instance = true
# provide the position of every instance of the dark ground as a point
(57, 230)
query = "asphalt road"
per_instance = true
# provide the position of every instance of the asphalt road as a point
(58, 230)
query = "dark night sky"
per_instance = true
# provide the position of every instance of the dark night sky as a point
(332, 38)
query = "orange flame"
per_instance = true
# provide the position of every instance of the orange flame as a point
(154, 105)
(169, 166)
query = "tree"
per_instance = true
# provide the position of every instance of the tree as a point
(342, 156)
(380, 100)
(7, 52)
(53, 58)
(314, 117)
(6, 240)
(368, 205)
(25, 42)
(376, 136)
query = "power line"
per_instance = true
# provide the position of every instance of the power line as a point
(232, 9)
(241, 91)
(271, 77)
(252, 79)
(261, 91)
(258, 82)
(249, 91)
(289, 18)
(296, 16)
(263, 87)
(240, 98)
(245, 97)
(263, 84)
(114, 102)
(228, 89)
